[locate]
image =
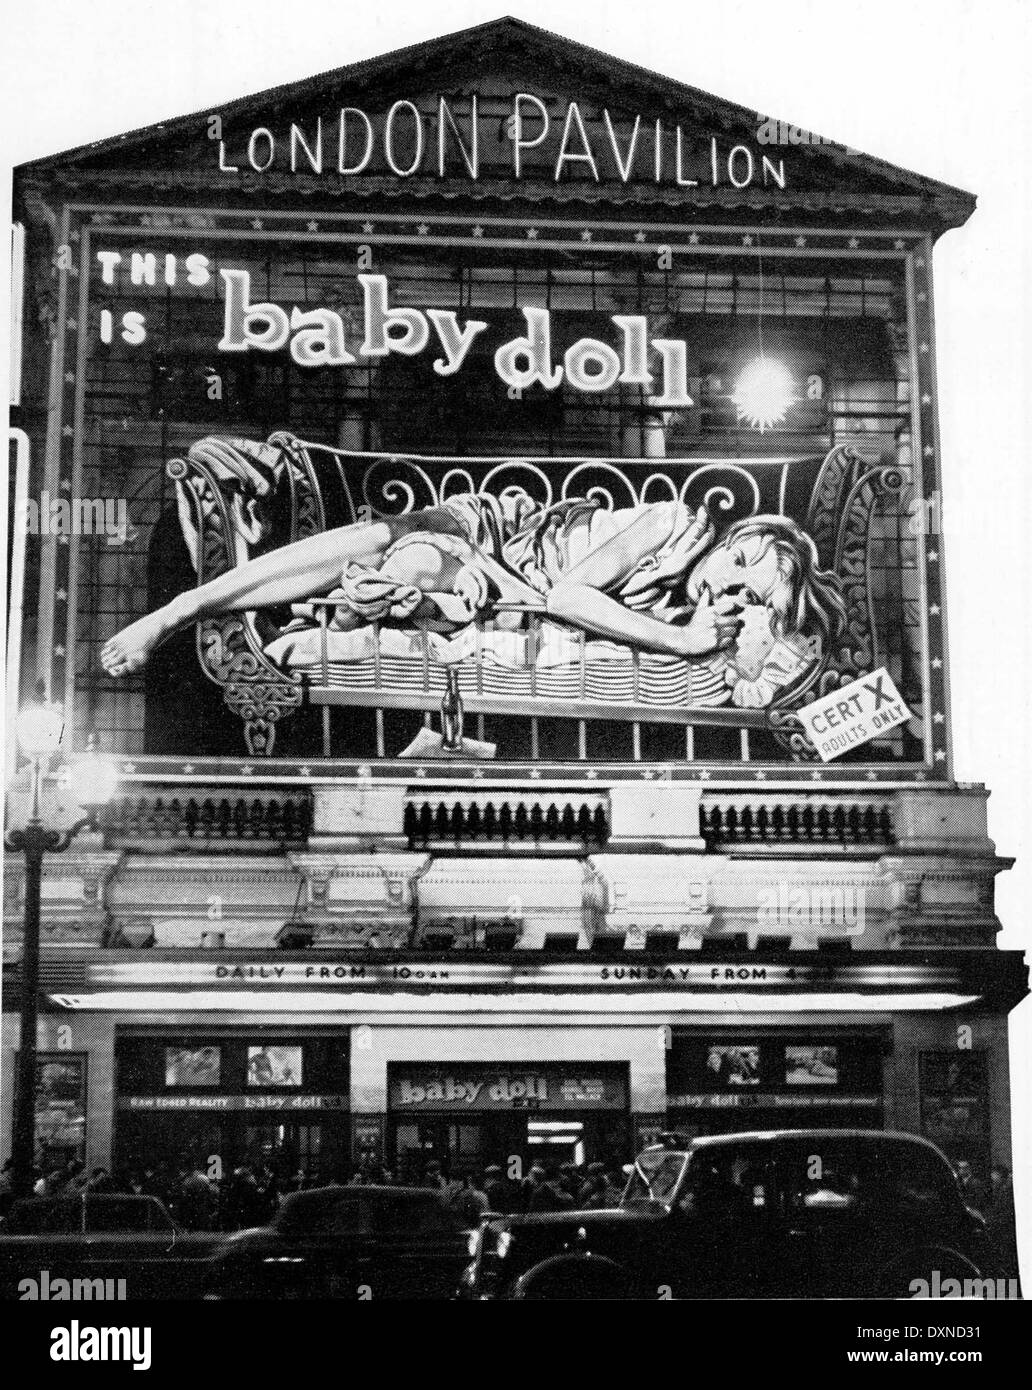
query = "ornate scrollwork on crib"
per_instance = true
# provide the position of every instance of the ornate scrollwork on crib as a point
(261, 706)
(307, 513)
(228, 647)
(852, 501)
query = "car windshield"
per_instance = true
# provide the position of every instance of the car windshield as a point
(654, 1178)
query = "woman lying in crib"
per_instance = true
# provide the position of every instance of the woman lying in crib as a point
(652, 577)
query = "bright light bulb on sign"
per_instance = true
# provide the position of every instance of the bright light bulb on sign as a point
(763, 393)
(40, 727)
(94, 780)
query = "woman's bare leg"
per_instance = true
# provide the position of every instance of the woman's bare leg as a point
(297, 571)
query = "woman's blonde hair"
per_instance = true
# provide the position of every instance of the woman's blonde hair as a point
(809, 600)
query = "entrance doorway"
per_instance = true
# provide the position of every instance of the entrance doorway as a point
(472, 1144)
(465, 1117)
(553, 1142)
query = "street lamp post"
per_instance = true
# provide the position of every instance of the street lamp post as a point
(39, 736)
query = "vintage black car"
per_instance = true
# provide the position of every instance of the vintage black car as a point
(790, 1214)
(56, 1248)
(347, 1243)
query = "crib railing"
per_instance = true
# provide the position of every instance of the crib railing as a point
(534, 706)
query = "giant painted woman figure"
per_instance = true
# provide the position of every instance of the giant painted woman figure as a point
(653, 577)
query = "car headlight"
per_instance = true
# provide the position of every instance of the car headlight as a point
(502, 1242)
(473, 1243)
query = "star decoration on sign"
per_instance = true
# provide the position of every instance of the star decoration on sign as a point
(257, 224)
(705, 774)
(532, 233)
(129, 768)
(926, 399)
(872, 777)
(815, 776)
(760, 776)
(922, 776)
(304, 771)
(246, 770)
(61, 595)
(747, 241)
(923, 347)
(367, 228)
(313, 226)
(66, 484)
(933, 555)
(478, 773)
(936, 663)
(67, 431)
(934, 610)
(852, 243)
(585, 235)
(59, 650)
(535, 772)
(592, 774)
(71, 325)
(74, 234)
(938, 717)
(62, 540)
(940, 756)
(639, 236)
(69, 377)
(922, 298)
(899, 244)
(478, 231)
(420, 771)
(422, 229)
(928, 451)
(919, 262)
(800, 241)
(693, 240)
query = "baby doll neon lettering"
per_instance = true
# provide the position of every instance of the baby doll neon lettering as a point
(319, 338)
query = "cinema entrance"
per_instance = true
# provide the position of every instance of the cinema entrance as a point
(465, 1118)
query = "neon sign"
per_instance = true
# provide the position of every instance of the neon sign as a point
(563, 143)
(320, 338)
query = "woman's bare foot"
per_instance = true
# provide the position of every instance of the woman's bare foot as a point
(130, 649)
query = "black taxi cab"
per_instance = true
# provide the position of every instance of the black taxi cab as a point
(786, 1214)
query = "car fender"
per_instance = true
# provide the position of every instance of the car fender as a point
(923, 1260)
(599, 1265)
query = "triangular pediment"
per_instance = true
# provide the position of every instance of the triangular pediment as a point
(506, 109)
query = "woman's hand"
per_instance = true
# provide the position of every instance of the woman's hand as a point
(713, 626)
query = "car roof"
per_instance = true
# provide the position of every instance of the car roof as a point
(316, 1197)
(74, 1199)
(774, 1136)
(366, 1190)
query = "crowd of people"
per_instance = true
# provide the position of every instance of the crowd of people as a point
(569, 1186)
(249, 1195)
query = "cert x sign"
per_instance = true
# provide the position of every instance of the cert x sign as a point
(864, 709)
